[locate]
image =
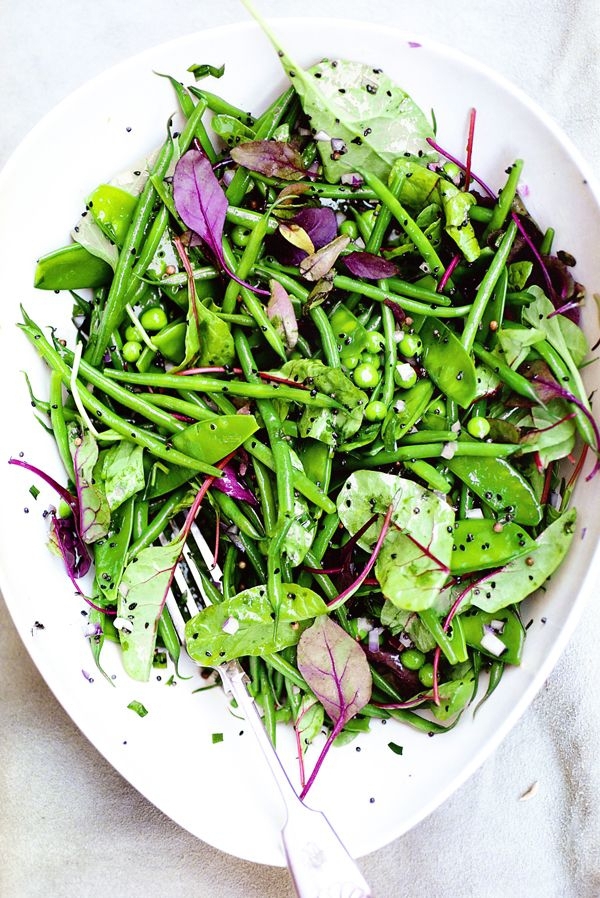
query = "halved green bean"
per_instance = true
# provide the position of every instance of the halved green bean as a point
(58, 422)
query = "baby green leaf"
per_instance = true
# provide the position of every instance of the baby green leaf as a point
(141, 596)
(413, 562)
(245, 624)
(123, 471)
(94, 513)
(364, 119)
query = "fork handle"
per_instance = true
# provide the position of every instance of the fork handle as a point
(319, 864)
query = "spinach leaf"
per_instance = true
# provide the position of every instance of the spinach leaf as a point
(94, 513)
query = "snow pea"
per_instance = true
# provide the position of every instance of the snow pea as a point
(505, 624)
(349, 332)
(170, 341)
(484, 543)
(111, 551)
(448, 364)
(210, 441)
(451, 642)
(71, 268)
(500, 486)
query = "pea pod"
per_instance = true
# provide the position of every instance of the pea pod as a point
(484, 543)
(217, 438)
(500, 486)
(111, 551)
(71, 268)
(450, 367)
(405, 414)
(504, 625)
(348, 331)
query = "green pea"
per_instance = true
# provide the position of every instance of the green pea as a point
(405, 375)
(376, 410)
(349, 228)
(374, 342)
(132, 350)
(410, 345)
(426, 675)
(371, 358)
(478, 427)
(366, 376)
(350, 362)
(154, 319)
(131, 333)
(412, 659)
(240, 235)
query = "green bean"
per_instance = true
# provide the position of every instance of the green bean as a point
(254, 557)
(300, 481)
(246, 389)
(328, 341)
(507, 375)
(265, 492)
(219, 106)
(170, 506)
(486, 288)
(318, 188)
(438, 309)
(247, 218)
(569, 377)
(408, 225)
(140, 518)
(545, 247)
(505, 199)
(434, 478)
(168, 636)
(234, 513)
(435, 450)
(155, 444)
(268, 703)
(229, 588)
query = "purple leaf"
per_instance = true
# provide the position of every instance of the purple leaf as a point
(230, 484)
(200, 200)
(273, 158)
(320, 224)
(336, 669)
(370, 266)
(202, 205)
(281, 312)
(75, 553)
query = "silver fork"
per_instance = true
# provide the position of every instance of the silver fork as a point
(319, 864)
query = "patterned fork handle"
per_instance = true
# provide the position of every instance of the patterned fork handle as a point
(319, 864)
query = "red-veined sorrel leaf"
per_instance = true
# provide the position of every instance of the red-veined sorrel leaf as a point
(369, 266)
(281, 312)
(274, 158)
(336, 669)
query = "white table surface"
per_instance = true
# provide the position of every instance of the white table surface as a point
(70, 827)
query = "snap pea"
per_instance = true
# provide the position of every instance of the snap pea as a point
(71, 267)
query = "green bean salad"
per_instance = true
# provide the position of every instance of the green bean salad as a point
(321, 337)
